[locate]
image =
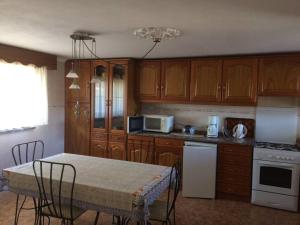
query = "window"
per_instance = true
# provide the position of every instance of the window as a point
(23, 96)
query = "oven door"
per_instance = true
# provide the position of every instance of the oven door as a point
(275, 177)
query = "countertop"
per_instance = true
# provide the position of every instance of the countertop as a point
(198, 138)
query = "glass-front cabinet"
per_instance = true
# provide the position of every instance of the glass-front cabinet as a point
(117, 97)
(99, 83)
(111, 96)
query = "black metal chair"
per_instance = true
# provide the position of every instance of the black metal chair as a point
(161, 210)
(56, 182)
(24, 153)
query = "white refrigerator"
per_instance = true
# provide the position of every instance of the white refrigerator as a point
(199, 170)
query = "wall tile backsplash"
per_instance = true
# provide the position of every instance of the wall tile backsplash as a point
(197, 115)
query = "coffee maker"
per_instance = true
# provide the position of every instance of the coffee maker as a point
(213, 126)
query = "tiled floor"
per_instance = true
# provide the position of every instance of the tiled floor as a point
(189, 212)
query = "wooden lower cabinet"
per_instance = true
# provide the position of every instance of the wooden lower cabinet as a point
(77, 129)
(168, 151)
(99, 149)
(140, 149)
(117, 150)
(234, 171)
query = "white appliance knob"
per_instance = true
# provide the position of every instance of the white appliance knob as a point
(292, 158)
(270, 156)
(277, 157)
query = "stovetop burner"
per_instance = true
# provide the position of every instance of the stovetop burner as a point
(277, 146)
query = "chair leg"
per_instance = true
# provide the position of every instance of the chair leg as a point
(97, 218)
(174, 217)
(18, 210)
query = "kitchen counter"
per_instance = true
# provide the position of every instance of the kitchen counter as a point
(198, 138)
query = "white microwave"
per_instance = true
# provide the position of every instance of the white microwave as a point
(158, 123)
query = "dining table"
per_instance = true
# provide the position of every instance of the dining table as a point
(118, 187)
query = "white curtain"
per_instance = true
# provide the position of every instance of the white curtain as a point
(100, 99)
(23, 96)
(118, 96)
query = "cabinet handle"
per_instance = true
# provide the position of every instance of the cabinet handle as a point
(162, 87)
(109, 102)
(106, 102)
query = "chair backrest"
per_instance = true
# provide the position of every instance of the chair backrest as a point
(55, 183)
(27, 152)
(174, 186)
(140, 151)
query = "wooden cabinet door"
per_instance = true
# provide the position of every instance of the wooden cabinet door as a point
(206, 81)
(149, 80)
(77, 128)
(117, 102)
(99, 149)
(167, 156)
(99, 99)
(117, 151)
(279, 76)
(240, 81)
(234, 170)
(168, 151)
(140, 149)
(175, 82)
(83, 69)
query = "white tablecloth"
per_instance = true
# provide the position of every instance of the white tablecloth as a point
(114, 186)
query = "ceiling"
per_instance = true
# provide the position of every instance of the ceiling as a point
(209, 27)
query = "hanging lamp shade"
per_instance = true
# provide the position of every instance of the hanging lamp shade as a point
(72, 74)
(74, 86)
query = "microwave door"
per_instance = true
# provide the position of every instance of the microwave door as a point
(152, 124)
(135, 124)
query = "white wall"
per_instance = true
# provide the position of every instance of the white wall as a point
(52, 134)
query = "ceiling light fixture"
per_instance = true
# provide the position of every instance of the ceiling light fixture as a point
(79, 44)
(157, 34)
(79, 39)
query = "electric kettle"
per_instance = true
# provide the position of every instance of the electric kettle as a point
(239, 131)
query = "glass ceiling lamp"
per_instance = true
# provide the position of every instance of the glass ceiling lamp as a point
(78, 45)
(157, 34)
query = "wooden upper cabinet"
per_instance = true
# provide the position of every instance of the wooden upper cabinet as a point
(240, 81)
(149, 80)
(206, 81)
(279, 76)
(83, 69)
(175, 81)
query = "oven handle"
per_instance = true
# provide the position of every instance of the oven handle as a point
(277, 164)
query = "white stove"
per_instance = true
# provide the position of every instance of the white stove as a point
(275, 180)
(276, 160)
